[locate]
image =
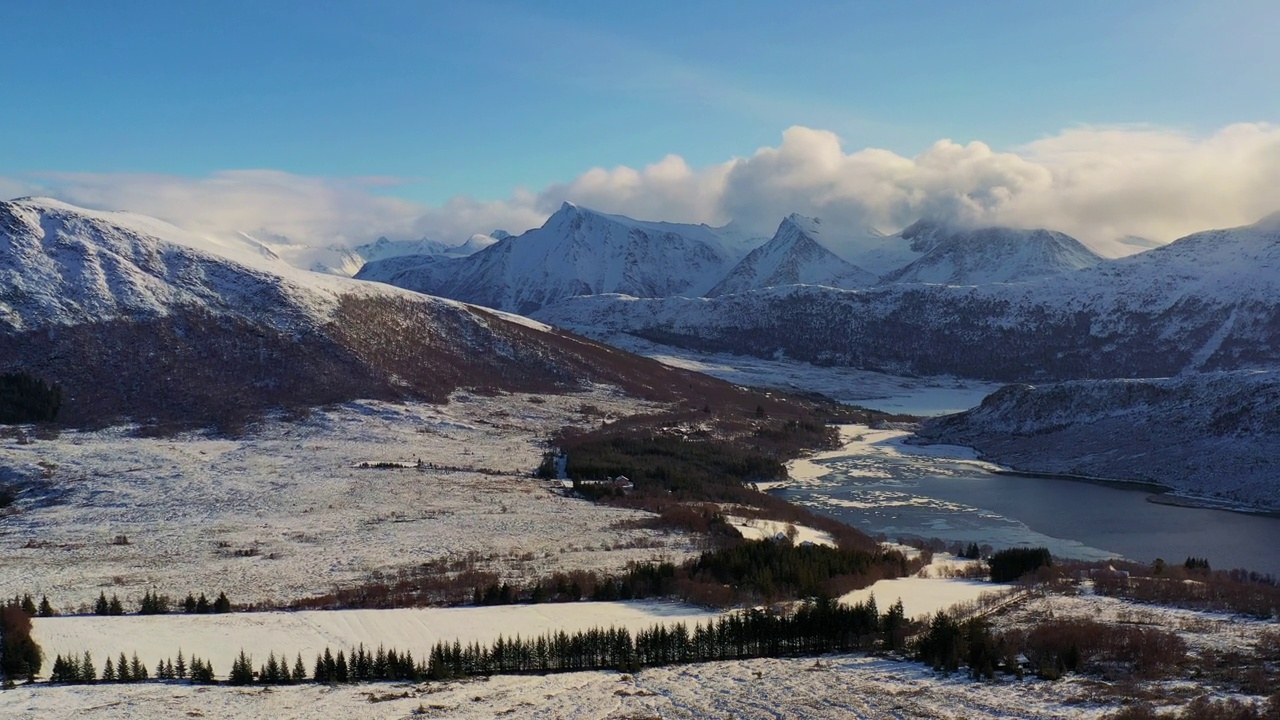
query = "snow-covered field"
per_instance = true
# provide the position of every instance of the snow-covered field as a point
(286, 511)
(757, 529)
(837, 687)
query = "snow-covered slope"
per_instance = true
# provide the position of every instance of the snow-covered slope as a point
(794, 256)
(993, 255)
(1210, 435)
(136, 318)
(1210, 301)
(576, 252)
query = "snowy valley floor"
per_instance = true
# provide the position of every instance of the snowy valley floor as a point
(287, 512)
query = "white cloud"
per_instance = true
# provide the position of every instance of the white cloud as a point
(1095, 183)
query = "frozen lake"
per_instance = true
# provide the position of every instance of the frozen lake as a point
(880, 486)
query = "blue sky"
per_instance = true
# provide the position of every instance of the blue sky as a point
(479, 98)
(336, 122)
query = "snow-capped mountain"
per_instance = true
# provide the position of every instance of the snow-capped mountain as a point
(1212, 435)
(384, 247)
(1210, 301)
(990, 255)
(794, 256)
(576, 252)
(136, 318)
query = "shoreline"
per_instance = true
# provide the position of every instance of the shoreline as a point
(806, 468)
(1153, 487)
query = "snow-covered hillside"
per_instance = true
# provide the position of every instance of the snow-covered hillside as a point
(1210, 301)
(137, 318)
(794, 256)
(1207, 435)
(995, 255)
(576, 252)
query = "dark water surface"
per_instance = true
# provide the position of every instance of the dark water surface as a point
(935, 497)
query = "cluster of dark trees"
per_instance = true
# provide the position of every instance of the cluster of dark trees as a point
(81, 670)
(28, 399)
(157, 604)
(1052, 648)
(1195, 563)
(28, 605)
(1011, 564)
(202, 606)
(366, 666)
(741, 572)
(814, 628)
(707, 469)
(103, 606)
(1196, 588)
(20, 655)
(756, 571)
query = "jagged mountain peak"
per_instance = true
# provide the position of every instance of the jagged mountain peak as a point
(794, 256)
(577, 251)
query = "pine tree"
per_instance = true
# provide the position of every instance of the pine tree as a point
(321, 674)
(46, 610)
(115, 607)
(137, 670)
(340, 672)
(202, 605)
(28, 606)
(109, 671)
(189, 605)
(88, 673)
(299, 670)
(271, 671)
(241, 670)
(180, 667)
(222, 604)
(101, 607)
(160, 674)
(122, 670)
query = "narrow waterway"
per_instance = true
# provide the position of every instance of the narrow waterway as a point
(880, 486)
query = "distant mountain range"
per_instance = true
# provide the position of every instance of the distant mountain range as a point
(139, 320)
(580, 252)
(1038, 307)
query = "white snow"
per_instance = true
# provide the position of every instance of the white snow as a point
(834, 688)
(292, 492)
(759, 529)
(576, 252)
(795, 255)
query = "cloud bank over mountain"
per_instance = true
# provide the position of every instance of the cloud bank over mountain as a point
(1095, 183)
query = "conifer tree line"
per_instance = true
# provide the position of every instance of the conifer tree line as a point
(25, 398)
(28, 605)
(815, 628)
(81, 670)
(157, 604)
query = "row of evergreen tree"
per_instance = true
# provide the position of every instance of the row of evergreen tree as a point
(157, 604)
(73, 669)
(28, 605)
(815, 628)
